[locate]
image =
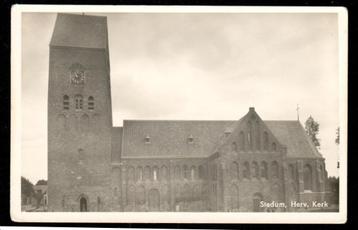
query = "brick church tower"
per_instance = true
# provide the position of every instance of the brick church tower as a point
(79, 115)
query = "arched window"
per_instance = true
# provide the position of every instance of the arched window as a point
(234, 170)
(147, 173)
(79, 102)
(291, 170)
(266, 142)
(115, 191)
(234, 198)
(201, 172)
(246, 171)
(249, 136)
(192, 173)
(307, 178)
(130, 173)
(66, 102)
(90, 103)
(139, 173)
(214, 172)
(186, 172)
(177, 173)
(242, 140)
(234, 147)
(255, 170)
(264, 173)
(164, 172)
(274, 147)
(155, 173)
(257, 134)
(275, 169)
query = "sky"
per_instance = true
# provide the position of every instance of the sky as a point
(198, 66)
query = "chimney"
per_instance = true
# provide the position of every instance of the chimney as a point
(251, 109)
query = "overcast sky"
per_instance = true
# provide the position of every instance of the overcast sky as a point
(198, 66)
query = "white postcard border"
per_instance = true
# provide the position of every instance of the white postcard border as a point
(169, 217)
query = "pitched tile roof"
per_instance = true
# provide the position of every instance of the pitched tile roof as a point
(292, 134)
(169, 138)
(73, 30)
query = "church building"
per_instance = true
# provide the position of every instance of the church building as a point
(161, 165)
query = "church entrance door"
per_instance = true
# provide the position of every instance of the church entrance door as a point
(83, 204)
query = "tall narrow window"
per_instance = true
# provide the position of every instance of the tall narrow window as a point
(79, 101)
(214, 172)
(291, 170)
(130, 174)
(242, 140)
(266, 142)
(246, 170)
(66, 102)
(147, 172)
(186, 172)
(264, 170)
(275, 169)
(177, 172)
(192, 173)
(255, 170)
(249, 135)
(201, 172)
(274, 147)
(257, 134)
(307, 178)
(164, 172)
(90, 103)
(155, 173)
(139, 173)
(234, 170)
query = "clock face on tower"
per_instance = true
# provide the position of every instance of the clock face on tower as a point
(77, 74)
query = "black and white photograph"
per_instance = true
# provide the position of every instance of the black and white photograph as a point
(179, 111)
